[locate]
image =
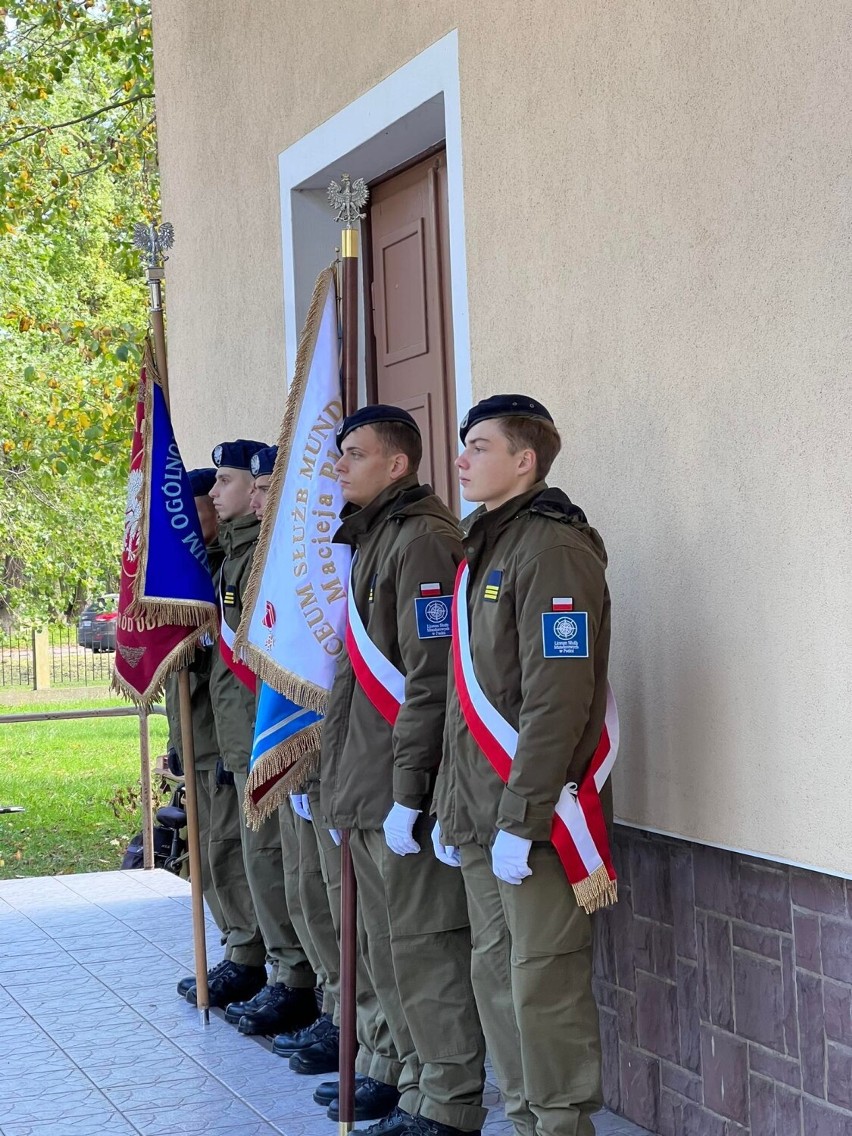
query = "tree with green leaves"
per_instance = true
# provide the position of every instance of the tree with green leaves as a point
(77, 168)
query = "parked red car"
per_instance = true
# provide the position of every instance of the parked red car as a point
(96, 628)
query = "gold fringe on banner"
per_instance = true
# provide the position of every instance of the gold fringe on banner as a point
(177, 613)
(305, 693)
(596, 891)
(282, 770)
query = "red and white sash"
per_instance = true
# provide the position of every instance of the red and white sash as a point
(226, 649)
(381, 681)
(579, 831)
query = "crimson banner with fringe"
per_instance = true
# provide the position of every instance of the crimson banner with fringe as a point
(166, 600)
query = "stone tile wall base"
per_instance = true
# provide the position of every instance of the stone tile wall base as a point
(725, 991)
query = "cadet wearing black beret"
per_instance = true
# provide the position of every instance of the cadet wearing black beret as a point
(503, 406)
(370, 415)
(237, 454)
(263, 462)
(525, 717)
(288, 1003)
(201, 481)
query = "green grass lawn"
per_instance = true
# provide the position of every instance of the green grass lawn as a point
(79, 783)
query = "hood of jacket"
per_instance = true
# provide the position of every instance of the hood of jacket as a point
(405, 498)
(239, 534)
(540, 500)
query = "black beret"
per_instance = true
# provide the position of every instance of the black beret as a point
(503, 406)
(238, 454)
(263, 462)
(369, 415)
(202, 481)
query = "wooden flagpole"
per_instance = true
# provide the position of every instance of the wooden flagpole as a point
(147, 798)
(153, 241)
(348, 199)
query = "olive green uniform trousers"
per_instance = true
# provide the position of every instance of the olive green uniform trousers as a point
(304, 888)
(223, 874)
(417, 945)
(377, 1056)
(532, 975)
(264, 867)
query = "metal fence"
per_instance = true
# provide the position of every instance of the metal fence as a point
(50, 658)
(73, 665)
(16, 659)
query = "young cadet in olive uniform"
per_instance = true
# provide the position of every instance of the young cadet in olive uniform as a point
(377, 780)
(223, 875)
(311, 861)
(287, 1002)
(529, 551)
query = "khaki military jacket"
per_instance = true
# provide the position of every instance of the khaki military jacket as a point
(205, 743)
(234, 705)
(523, 555)
(404, 539)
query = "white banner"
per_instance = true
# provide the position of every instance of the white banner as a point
(293, 625)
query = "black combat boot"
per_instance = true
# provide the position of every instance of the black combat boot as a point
(321, 1057)
(189, 980)
(233, 982)
(286, 1009)
(373, 1100)
(286, 1044)
(329, 1091)
(424, 1127)
(235, 1010)
(395, 1124)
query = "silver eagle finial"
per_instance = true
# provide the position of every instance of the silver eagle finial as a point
(153, 241)
(348, 200)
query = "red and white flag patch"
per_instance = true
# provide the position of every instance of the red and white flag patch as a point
(430, 589)
(563, 603)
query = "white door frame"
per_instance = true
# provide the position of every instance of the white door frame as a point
(404, 115)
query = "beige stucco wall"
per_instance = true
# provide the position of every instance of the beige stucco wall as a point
(655, 197)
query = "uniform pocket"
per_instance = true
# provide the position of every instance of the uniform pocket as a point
(543, 916)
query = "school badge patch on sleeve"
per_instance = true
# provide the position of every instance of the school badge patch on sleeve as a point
(564, 635)
(433, 617)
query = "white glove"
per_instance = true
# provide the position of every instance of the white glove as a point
(301, 805)
(398, 826)
(509, 856)
(335, 836)
(445, 852)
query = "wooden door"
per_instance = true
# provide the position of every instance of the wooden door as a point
(411, 311)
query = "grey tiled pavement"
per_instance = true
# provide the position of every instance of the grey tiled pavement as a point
(95, 1042)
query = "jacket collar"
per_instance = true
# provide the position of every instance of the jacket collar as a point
(235, 536)
(357, 521)
(490, 523)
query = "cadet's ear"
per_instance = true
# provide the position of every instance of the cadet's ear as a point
(399, 466)
(526, 461)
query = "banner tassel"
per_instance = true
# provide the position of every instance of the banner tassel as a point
(596, 891)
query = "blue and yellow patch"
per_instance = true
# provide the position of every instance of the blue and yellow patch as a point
(491, 591)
